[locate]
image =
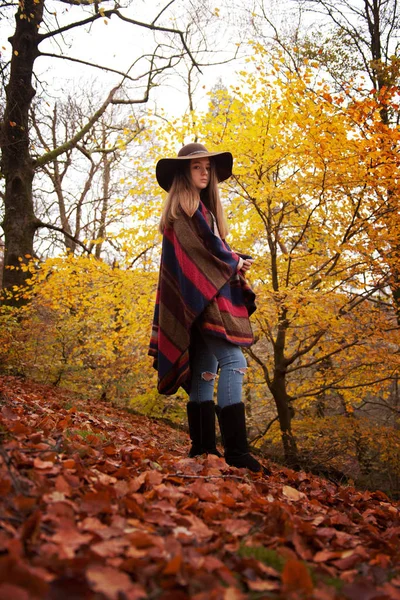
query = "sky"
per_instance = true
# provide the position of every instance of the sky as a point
(116, 44)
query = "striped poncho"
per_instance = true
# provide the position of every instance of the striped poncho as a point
(198, 286)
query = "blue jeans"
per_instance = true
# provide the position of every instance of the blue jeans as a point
(209, 353)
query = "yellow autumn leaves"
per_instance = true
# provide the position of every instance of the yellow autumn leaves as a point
(312, 200)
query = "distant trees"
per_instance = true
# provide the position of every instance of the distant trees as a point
(36, 23)
(79, 194)
(311, 172)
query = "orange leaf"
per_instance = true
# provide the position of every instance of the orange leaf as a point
(31, 527)
(260, 585)
(237, 527)
(295, 576)
(110, 582)
(19, 428)
(8, 590)
(42, 464)
(173, 565)
(292, 493)
(96, 502)
(141, 539)
(24, 503)
(324, 555)
(5, 487)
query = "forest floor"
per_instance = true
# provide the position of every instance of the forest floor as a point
(97, 503)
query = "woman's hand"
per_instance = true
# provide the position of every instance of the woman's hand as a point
(247, 262)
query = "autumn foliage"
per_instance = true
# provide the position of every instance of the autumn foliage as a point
(85, 328)
(100, 504)
(313, 200)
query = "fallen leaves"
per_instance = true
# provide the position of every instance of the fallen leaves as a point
(292, 493)
(112, 582)
(296, 578)
(86, 517)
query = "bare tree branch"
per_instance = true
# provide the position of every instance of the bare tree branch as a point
(48, 156)
(165, 30)
(267, 428)
(162, 11)
(40, 224)
(91, 19)
(90, 64)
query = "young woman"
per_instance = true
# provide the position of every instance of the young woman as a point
(203, 304)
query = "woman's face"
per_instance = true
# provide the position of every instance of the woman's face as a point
(200, 173)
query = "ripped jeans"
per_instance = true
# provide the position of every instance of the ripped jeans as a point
(209, 353)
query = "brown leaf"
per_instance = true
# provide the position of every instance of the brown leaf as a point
(237, 527)
(16, 572)
(198, 527)
(9, 414)
(42, 464)
(392, 592)
(296, 577)
(62, 485)
(24, 503)
(8, 591)
(211, 563)
(153, 477)
(361, 591)
(94, 503)
(5, 486)
(31, 527)
(113, 547)
(300, 546)
(216, 463)
(348, 561)
(232, 593)
(227, 500)
(112, 583)
(292, 494)
(19, 428)
(173, 565)
(141, 539)
(203, 490)
(159, 517)
(261, 585)
(325, 555)
(70, 539)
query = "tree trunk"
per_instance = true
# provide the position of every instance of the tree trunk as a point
(106, 164)
(285, 414)
(17, 168)
(281, 397)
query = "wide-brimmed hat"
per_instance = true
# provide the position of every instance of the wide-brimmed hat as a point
(167, 167)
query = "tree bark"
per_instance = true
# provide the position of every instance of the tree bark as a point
(17, 168)
(57, 178)
(106, 164)
(281, 397)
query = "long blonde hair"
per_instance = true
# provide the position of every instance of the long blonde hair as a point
(183, 195)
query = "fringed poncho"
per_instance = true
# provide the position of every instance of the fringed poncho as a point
(198, 286)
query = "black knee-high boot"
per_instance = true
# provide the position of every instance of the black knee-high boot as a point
(201, 419)
(232, 422)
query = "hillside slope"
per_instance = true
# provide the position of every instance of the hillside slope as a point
(99, 504)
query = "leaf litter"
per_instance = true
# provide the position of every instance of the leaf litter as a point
(100, 504)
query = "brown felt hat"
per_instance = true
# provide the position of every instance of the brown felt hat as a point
(167, 167)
